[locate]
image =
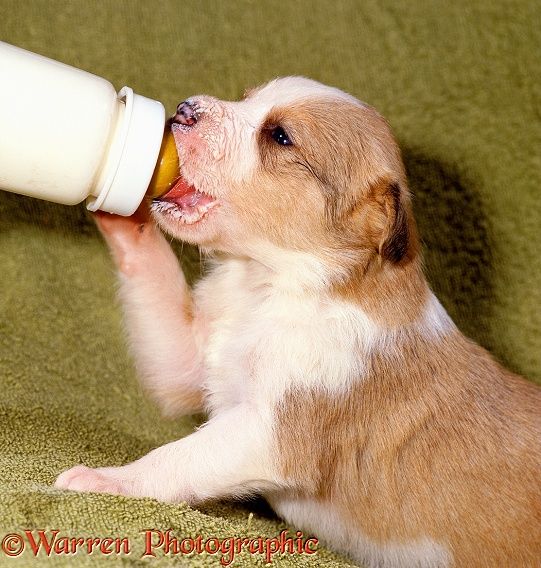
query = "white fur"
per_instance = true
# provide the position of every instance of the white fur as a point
(310, 515)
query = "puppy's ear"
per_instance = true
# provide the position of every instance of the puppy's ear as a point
(398, 239)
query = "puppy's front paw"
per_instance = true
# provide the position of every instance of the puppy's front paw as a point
(82, 478)
(128, 237)
(118, 229)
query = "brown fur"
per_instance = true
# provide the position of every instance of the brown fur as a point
(436, 441)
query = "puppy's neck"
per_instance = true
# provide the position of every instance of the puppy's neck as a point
(391, 294)
(290, 272)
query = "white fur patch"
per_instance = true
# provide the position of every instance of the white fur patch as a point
(285, 91)
(320, 518)
(436, 321)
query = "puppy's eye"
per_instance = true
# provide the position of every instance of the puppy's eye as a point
(279, 135)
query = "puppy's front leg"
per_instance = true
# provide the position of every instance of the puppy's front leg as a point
(229, 456)
(158, 311)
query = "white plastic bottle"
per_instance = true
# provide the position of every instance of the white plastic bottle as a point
(66, 135)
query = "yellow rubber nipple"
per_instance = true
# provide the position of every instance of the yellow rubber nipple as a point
(167, 169)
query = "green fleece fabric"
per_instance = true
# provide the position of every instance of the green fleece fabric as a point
(459, 83)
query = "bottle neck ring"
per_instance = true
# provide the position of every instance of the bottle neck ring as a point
(132, 155)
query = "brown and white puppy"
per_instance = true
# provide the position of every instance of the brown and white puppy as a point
(336, 384)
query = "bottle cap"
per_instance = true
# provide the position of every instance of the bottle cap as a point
(133, 155)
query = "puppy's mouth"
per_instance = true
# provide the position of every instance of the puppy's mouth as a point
(183, 202)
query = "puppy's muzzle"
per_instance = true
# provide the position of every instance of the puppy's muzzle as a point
(186, 114)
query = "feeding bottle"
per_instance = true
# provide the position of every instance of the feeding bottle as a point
(67, 135)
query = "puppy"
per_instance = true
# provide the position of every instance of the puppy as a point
(335, 383)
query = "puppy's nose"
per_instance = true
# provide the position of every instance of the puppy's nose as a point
(186, 114)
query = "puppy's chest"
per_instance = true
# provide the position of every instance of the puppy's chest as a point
(237, 348)
(261, 342)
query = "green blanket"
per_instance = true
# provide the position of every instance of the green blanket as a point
(458, 81)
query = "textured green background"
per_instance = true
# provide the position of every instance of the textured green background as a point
(458, 81)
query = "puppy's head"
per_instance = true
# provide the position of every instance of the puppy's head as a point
(295, 167)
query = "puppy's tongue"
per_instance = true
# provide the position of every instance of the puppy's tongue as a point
(186, 196)
(179, 190)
